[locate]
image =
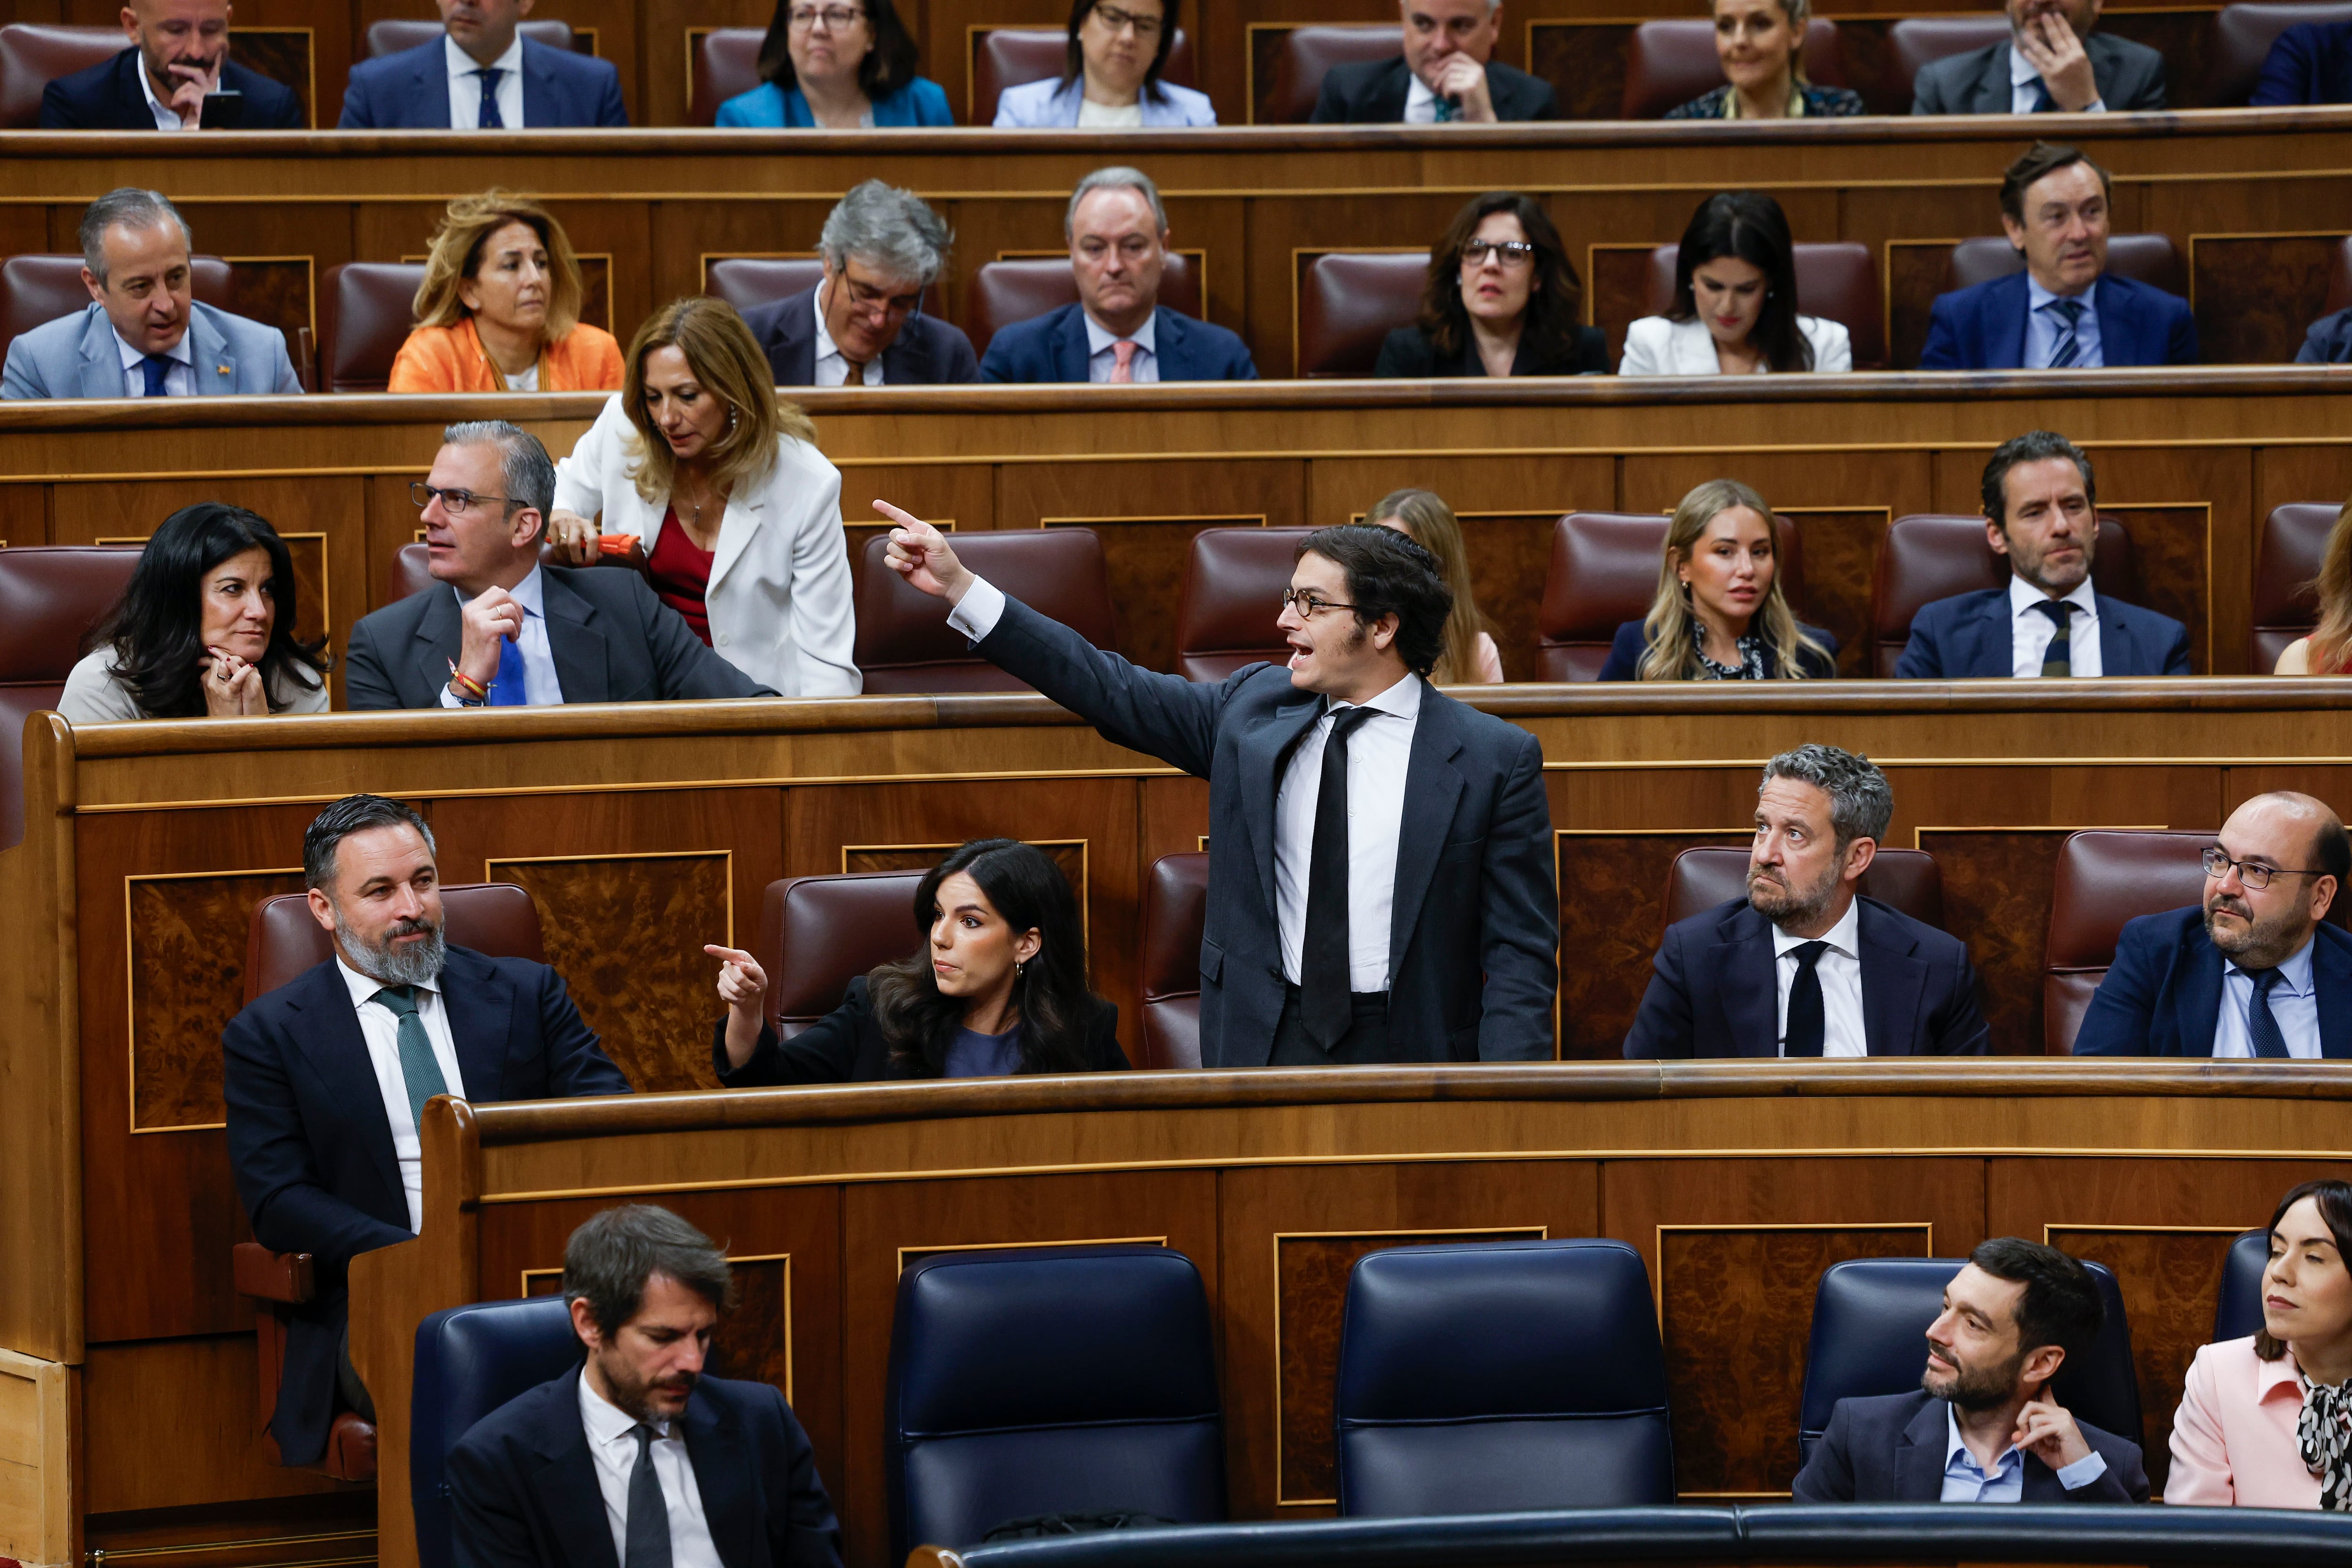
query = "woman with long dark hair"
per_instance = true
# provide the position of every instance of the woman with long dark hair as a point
(998, 986)
(205, 630)
(1110, 77)
(1735, 301)
(1502, 300)
(837, 65)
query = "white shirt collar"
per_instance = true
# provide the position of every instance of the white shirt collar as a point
(462, 66)
(531, 593)
(363, 987)
(155, 106)
(2023, 595)
(2294, 972)
(1956, 1446)
(181, 353)
(1844, 938)
(606, 1422)
(1419, 96)
(2021, 69)
(1402, 700)
(825, 347)
(1100, 337)
(2036, 296)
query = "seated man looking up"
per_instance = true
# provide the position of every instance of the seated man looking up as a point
(507, 631)
(1118, 330)
(640, 1447)
(1982, 1425)
(1447, 75)
(2251, 971)
(864, 324)
(1803, 966)
(327, 1077)
(178, 56)
(143, 334)
(482, 74)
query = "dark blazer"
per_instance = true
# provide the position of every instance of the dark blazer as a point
(1983, 328)
(2311, 62)
(1374, 93)
(1625, 655)
(1890, 1448)
(1053, 348)
(1408, 351)
(410, 91)
(847, 1046)
(1968, 638)
(523, 1491)
(2162, 995)
(927, 353)
(1714, 992)
(2329, 341)
(612, 640)
(106, 97)
(311, 1148)
(2131, 77)
(1473, 882)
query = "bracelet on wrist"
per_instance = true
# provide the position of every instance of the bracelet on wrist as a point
(470, 692)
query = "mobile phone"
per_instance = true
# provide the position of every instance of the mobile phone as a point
(223, 111)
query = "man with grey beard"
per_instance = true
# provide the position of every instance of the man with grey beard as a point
(1803, 966)
(327, 1077)
(2250, 972)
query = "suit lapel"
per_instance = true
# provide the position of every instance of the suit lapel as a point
(1170, 333)
(578, 646)
(326, 1028)
(715, 1446)
(566, 1484)
(212, 367)
(2042, 1484)
(1395, 90)
(101, 362)
(1751, 987)
(1070, 354)
(1919, 1454)
(2119, 323)
(1992, 89)
(1432, 786)
(1991, 653)
(2118, 649)
(2198, 1014)
(431, 85)
(738, 526)
(478, 1002)
(2331, 985)
(438, 633)
(1891, 980)
(1264, 753)
(2010, 302)
(539, 87)
(130, 100)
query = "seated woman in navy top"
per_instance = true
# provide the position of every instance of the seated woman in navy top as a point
(836, 64)
(998, 986)
(1719, 614)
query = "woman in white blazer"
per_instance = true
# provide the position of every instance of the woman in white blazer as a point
(1110, 81)
(1735, 301)
(716, 490)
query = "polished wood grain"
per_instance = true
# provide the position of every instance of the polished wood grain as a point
(1613, 902)
(37, 1516)
(187, 981)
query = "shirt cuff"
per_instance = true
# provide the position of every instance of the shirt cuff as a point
(982, 607)
(2084, 1471)
(449, 698)
(2097, 106)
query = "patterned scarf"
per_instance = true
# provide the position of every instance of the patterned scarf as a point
(2325, 1434)
(1751, 658)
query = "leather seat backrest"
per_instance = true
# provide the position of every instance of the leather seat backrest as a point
(2242, 36)
(1931, 556)
(1348, 301)
(819, 933)
(1008, 57)
(1836, 280)
(1022, 288)
(1233, 580)
(369, 313)
(1670, 62)
(2286, 598)
(1869, 1337)
(469, 1361)
(1604, 573)
(37, 290)
(746, 282)
(2149, 258)
(1307, 56)
(1050, 1380)
(394, 34)
(51, 597)
(411, 571)
(1711, 874)
(904, 644)
(2104, 879)
(1175, 913)
(725, 64)
(2238, 1305)
(33, 55)
(1501, 1377)
(284, 939)
(2339, 280)
(1916, 42)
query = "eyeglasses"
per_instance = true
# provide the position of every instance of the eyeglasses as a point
(1307, 603)
(1509, 252)
(866, 299)
(457, 503)
(2256, 876)
(837, 19)
(1115, 20)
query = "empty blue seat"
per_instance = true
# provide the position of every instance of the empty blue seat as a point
(1493, 1377)
(469, 1361)
(2238, 1310)
(1050, 1380)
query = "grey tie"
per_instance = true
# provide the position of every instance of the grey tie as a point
(418, 1068)
(649, 1534)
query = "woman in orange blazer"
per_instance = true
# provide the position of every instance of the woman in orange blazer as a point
(499, 308)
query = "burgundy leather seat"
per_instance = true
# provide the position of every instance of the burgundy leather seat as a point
(2105, 878)
(1007, 57)
(2242, 36)
(1348, 301)
(1708, 874)
(1918, 41)
(37, 290)
(904, 641)
(1233, 580)
(2286, 604)
(33, 55)
(393, 34)
(1024, 287)
(368, 312)
(745, 282)
(410, 573)
(1175, 911)
(51, 595)
(2148, 259)
(1307, 55)
(725, 62)
(1836, 280)
(1927, 557)
(819, 933)
(1670, 62)
(1604, 573)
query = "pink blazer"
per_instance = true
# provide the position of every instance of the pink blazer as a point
(2233, 1438)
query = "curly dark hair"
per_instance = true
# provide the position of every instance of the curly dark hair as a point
(888, 65)
(1389, 574)
(1553, 302)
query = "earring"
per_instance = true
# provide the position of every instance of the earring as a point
(732, 414)
(1016, 969)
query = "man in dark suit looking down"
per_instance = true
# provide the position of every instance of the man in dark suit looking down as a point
(1447, 74)
(863, 325)
(178, 55)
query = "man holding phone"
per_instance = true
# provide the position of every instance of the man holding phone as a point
(176, 68)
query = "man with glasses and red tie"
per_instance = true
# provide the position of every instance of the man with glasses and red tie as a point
(2250, 972)
(499, 629)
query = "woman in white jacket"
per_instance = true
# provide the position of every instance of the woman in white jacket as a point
(1735, 308)
(736, 516)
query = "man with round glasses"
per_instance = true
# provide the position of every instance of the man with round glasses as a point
(2250, 972)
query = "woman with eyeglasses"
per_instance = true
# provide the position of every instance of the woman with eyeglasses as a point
(499, 309)
(1735, 301)
(1502, 300)
(1760, 46)
(836, 64)
(2329, 649)
(1110, 74)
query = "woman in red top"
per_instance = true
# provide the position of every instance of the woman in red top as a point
(2329, 649)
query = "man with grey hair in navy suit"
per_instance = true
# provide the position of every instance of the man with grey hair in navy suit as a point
(863, 324)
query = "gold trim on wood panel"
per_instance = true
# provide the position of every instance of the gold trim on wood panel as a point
(311, 271)
(2207, 508)
(489, 866)
(2147, 1229)
(1028, 1245)
(1658, 1253)
(1592, 260)
(130, 986)
(1918, 833)
(784, 1258)
(1558, 876)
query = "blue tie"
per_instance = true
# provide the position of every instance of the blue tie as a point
(2262, 1030)
(489, 119)
(2043, 102)
(2068, 349)
(156, 367)
(507, 690)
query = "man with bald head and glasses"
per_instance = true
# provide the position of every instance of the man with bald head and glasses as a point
(2250, 972)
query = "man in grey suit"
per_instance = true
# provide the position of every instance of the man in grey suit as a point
(2052, 62)
(143, 333)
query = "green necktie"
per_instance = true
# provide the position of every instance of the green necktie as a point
(2058, 659)
(418, 1068)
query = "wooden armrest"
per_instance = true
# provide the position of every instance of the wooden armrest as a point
(273, 1275)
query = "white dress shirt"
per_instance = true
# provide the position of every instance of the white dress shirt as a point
(612, 1444)
(2042, 329)
(466, 86)
(2293, 1004)
(179, 380)
(1841, 975)
(1965, 1481)
(832, 368)
(1093, 116)
(1379, 754)
(1420, 101)
(2025, 88)
(539, 685)
(2031, 631)
(380, 1028)
(166, 117)
(1102, 358)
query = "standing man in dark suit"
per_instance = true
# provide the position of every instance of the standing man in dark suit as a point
(482, 75)
(864, 324)
(1982, 1427)
(1803, 966)
(2251, 971)
(1380, 854)
(2040, 507)
(639, 1459)
(1447, 74)
(2052, 62)
(1118, 330)
(507, 631)
(178, 53)
(326, 1079)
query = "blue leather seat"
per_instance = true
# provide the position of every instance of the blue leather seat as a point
(1871, 1316)
(2237, 1310)
(1050, 1380)
(1496, 1377)
(469, 1361)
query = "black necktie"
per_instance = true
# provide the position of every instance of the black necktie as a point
(648, 1529)
(2262, 1032)
(491, 120)
(2058, 659)
(1807, 1024)
(1323, 1003)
